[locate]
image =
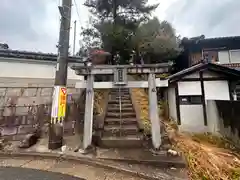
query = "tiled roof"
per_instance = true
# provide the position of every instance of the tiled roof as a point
(23, 55)
(197, 44)
(232, 65)
(202, 66)
(221, 38)
(214, 38)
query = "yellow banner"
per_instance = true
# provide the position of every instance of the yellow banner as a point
(62, 102)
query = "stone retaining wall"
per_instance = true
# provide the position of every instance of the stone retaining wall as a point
(24, 107)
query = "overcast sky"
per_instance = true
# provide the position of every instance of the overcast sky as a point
(34, 24)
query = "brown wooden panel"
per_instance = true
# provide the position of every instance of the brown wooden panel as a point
(195, 58)
(211, 55)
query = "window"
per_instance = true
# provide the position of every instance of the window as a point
(188, 100)
(234, 56)
(231, 56)
(223, 57)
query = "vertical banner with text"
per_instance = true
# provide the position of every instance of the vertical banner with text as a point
(62, 103)
(55, 99)
(59, 102)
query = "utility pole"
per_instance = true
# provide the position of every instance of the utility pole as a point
(74, 38)
(60, 93)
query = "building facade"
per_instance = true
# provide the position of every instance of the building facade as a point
(32, 65)
(190, 90)
(27, 68)
(223, 50)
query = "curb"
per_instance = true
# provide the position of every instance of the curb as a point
(155, 163)
(88, 161)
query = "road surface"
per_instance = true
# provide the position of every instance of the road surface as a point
(54, 167)
(17, 173)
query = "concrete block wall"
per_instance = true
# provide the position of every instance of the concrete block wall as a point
(24, 107)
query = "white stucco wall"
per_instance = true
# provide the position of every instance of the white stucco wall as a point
(191, 115)
(216, 90)
(28, 69)
(189, 88)
(213, 117)
(192, 119)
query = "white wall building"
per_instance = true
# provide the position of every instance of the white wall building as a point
(34, 69)
(190, 89)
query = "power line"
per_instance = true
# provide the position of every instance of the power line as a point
(78, 14)
(79, 20)
(59, 20)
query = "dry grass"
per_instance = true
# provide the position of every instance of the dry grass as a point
(205, 156)
(141, 98)
(99, 101)
(209, 157)
(142, 102)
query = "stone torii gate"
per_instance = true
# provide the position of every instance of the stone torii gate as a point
(120, 74)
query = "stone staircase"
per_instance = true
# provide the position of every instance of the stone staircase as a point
(120, 129)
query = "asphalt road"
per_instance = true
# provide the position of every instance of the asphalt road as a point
(21, 169)
(17, 173)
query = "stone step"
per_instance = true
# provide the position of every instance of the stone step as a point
(126, 127)
(132, 141)
(118, 130)
(117, 121)
(117, 92)
(118, 97)
(122, 105)
(119, 133)
(124, 101)
(122, 115)
(121, 94)
(121, 89)
(117, 109)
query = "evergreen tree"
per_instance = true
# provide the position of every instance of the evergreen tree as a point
(115, 23)
(156, 40)
(121, 26)
(120, 10)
